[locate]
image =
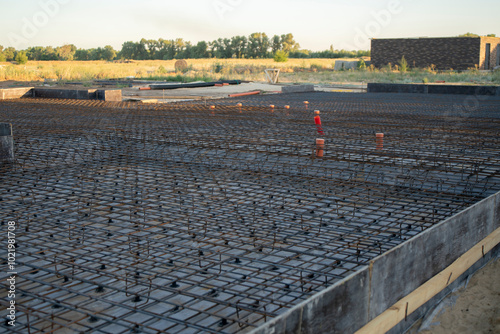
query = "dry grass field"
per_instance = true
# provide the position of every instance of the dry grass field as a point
(292, 71)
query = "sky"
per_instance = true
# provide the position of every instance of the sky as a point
(315, 24)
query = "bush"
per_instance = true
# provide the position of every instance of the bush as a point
(218, 67)
(281, 56)
(2, 57)
(21, 58)
(403, 65)
(361, 65)
(316, 67)
(495, 77)
(162, 70)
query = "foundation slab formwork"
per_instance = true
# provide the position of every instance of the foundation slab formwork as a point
(6, 143)
(110, 95)
(15, 93)
(188, 218)
(297, 89)
(473, 91)
(356, 300)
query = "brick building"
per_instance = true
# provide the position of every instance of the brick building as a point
(458, 53)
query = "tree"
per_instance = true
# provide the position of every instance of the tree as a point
(21, 58)
(35, 53)
(186, 53)
(108, 53)
(200, 50)
(66, 52)
(469, 34)
(227, 47)
(49, 54)
(167, 49)
(9, 53)
(258, 45)
(288, 43)
(128, 50)
(141, 51)
(276, 44)
(2, 57)
(82, 54)
(217, 48)
(180, 46)
(152, 47)
(239, 45)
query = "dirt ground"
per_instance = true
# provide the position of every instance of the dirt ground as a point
(474, 308)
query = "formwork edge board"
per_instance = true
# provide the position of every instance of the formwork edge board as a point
(319, 313)
(277, 325)
(417, 88)
(15, 93)
(410, 303)
(297, 89)
(5, 129)
(424, 256)
(432, 303)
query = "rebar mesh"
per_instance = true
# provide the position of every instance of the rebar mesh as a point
(181, 218)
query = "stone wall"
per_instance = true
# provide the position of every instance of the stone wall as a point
(458, 53)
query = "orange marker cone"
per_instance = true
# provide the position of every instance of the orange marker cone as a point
(317, 121)
(320, 146)
(380, 141)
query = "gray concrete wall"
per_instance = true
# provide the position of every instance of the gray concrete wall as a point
(6, 143)
(351, 303)
(55, 93)
(347, 65)
(433, 89)
(15, 93)
(297, 89)
(113, 95)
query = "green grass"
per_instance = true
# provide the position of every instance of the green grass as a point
(393, 76)
(318, 71)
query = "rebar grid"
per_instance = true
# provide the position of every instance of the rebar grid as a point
(181, 218)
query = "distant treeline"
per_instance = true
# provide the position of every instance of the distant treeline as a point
(257, 45)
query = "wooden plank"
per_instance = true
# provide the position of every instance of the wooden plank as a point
(407, 305)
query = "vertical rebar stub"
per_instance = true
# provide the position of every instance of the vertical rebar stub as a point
(6, 143)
